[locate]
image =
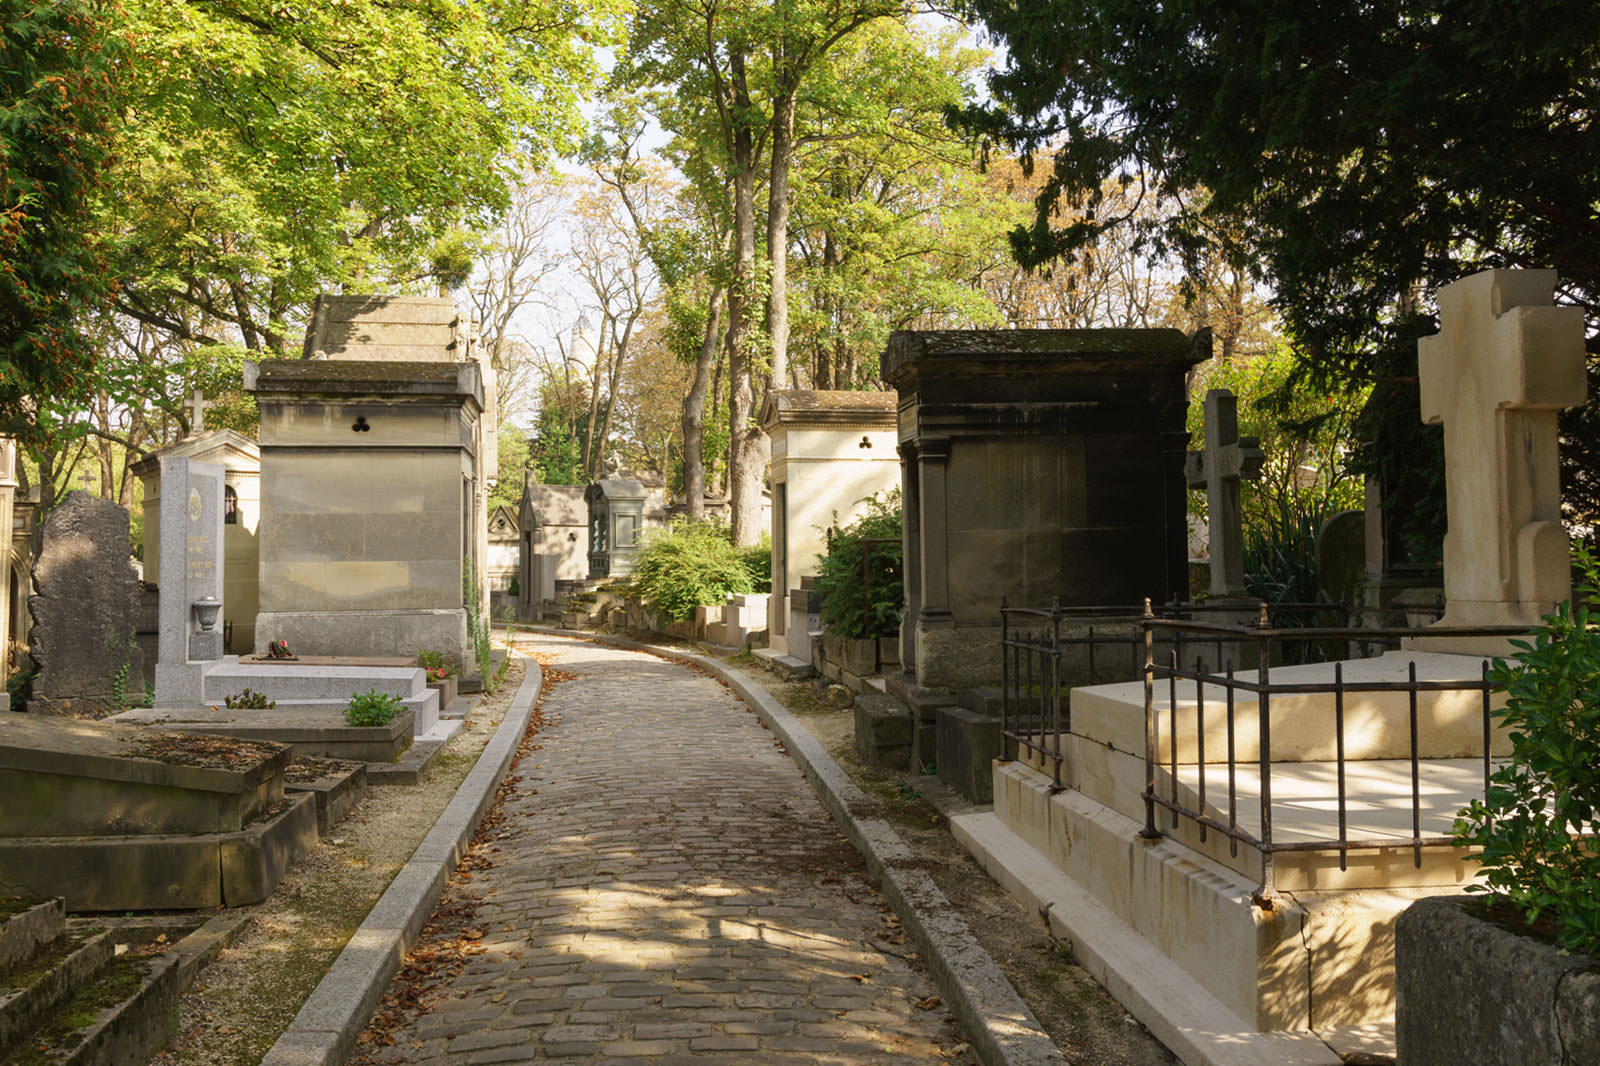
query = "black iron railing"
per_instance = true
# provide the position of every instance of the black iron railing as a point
(1037, 716)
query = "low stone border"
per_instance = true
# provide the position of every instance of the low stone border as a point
(325, 1030)
(1000, 1027)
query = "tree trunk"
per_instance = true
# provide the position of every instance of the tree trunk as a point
(778, 236)
(694, 411)
(744, 437)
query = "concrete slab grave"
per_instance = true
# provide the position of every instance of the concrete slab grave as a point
(1037, 464)
(120, 817)
(85, 609)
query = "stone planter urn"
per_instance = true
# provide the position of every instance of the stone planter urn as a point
(1470, 991)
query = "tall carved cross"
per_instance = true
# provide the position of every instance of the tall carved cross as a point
(1227, 459)
(1502, 366)
(197, 405)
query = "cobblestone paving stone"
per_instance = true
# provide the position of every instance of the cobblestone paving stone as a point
(666, 888)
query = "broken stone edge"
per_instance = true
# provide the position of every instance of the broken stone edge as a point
(995, 1020)
(325, 1030)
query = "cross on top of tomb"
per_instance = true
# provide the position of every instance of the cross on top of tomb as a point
(197, 405)
(1504, 363)
(1227, 458)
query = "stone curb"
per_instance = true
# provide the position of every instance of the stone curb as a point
(325, 1030)
(1001, 1028)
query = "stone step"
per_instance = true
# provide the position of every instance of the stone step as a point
(141, 1020)
(299, 681)
(34, 988)
(27, 924)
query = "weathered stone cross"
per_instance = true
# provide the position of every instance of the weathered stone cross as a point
(197, 405)
(1502, 366)
(1227, 458)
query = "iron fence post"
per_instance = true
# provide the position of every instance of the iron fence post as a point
(1268, 891)
(1150, 832)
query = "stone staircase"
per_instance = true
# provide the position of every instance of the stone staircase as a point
(79, 997)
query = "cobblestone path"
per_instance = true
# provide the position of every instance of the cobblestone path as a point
(666, 888)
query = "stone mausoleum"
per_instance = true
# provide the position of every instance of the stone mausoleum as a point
(1037, 464)
(831, 451)
(377, 453)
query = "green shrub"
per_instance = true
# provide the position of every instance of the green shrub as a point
(689, 564)
(1280, 558)
(249, 700)
(860, 605)
(1537, 825)
(436, 661)
(757, 559)
(372, 708)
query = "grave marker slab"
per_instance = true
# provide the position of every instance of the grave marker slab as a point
(191, 590)
(86, 607)
(1504, 364)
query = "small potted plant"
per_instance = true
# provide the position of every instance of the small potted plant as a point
(1520, 959)
(441, 673)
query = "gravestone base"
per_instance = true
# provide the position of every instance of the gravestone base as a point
(883, 731)
(366, 634)
(969, 743)
(957, 656)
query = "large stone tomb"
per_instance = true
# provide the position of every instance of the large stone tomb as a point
(367, 487)
(119, 817)
(553, 555)
(831, 452)
(85, 608)
(1038, 464)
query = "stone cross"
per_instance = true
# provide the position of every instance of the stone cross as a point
(197, 405)
(1502, 366)
(1227, 458)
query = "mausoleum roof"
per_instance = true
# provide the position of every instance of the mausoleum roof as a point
(351, 378)
(221, 443)
(829, 407)
(1019, 352)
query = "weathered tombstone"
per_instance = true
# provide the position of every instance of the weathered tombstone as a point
(1503, 365)
(85, 609)
(1227, 459)
(1036, 464)
(831, 452)
(192, 580)
(1342, 556)
(8, 492)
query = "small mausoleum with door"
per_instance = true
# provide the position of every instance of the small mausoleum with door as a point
(616, 525)
(554, 547)
(1038, 465)
(831, 452)
(240, 459)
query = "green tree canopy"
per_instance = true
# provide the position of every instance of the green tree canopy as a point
(57, 107)
(1362, 154)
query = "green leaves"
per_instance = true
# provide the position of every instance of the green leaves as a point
(861, 578)
(691, 564)
(57, 115)
(1537, 825)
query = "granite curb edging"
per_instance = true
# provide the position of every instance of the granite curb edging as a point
(995, 1020)
(325, 1029)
